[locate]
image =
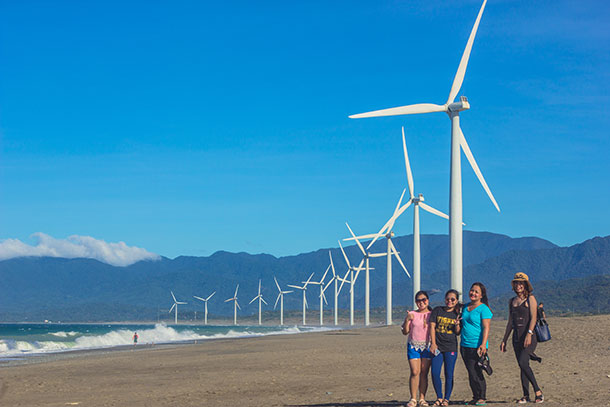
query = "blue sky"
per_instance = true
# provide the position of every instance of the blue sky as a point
(192, 127)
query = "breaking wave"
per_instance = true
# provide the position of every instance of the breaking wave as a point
(159, 334)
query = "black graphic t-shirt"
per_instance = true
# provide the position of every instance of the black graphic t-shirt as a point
(446, 339)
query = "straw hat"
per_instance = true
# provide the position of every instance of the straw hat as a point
(525, 279)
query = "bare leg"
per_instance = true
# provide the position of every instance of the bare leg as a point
(415, 365)
(423, 377)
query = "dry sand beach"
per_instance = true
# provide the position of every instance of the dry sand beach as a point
(361, 367)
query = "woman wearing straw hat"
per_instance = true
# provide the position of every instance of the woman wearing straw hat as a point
(522, 321)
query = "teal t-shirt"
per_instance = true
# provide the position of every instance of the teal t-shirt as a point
(472, 326)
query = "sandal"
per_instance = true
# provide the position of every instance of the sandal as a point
(445, 402)
(540, 398)
(438, 402)
(412, 403)
(523, 400)
(481, 403)
(423, 403)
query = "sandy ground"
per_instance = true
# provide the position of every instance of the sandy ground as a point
(362, 367)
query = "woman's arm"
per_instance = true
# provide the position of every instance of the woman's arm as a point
(433, 345)
(533, 318)
(406, 325)
(509, 329)
(483, 348)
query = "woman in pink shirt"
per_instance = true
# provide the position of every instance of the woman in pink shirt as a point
(417, 327)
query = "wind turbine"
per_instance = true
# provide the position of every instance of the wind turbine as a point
(351, 281)
(260, 299)
(334, 280)
(205, 301)
(367, 256)
(235, 306)
(458, 142)
(417, 201)
(280, 298)
(386, 231)
(322, 296)
(175, 307)
(304, 289)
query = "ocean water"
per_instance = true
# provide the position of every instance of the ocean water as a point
(18, 340)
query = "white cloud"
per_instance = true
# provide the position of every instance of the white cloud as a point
(116, 254)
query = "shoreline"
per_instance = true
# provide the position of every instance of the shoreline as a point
(359, 367)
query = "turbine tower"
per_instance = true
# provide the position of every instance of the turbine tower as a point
(334, 280)
(458, 142)
(259, 297)
(280, 298)
(304, 289)
(322, 296)
(175, 307)
(367, 290)
(205, 301)
(235, 305)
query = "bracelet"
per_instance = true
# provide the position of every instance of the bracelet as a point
(529, 331)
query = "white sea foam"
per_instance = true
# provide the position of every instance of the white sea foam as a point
(161, 333)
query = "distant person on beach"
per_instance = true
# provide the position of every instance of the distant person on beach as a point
(444, 328)
(522, 314)
(475, 321)
(135, 338)
(417, 326)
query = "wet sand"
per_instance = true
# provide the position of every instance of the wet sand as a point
(361, 367)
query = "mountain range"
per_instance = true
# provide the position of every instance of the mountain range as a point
(39, 288)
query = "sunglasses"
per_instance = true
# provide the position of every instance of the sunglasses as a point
(421, 299)
(450, 299)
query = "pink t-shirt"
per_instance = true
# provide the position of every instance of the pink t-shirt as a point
(419, 336)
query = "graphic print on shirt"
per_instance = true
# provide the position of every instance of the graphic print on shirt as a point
(445, 325)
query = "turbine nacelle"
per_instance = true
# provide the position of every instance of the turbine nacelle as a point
(456, 107)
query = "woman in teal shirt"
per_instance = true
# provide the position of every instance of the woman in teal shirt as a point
(475, 320)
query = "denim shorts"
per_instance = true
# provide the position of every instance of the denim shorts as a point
(413, 353)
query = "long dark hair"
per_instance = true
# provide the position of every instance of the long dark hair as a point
(458, 305)
(422, 292)
(484, 299)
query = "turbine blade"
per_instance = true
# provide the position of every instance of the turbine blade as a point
(236, 288)
(395, 253)
(287, 292)
(396, 111)
(377, 255)
(343, 251)
(277, 299)
(276, 283)
(170, 310)
(324, 298)
(259, 287)
(265, 302)
(475, 167)
(324, 276)
(211, 295)
(199, 298)
(459, 76)
(343, 280)
(331, 263)
(230, 299)
(253, 299)
(433, 211)
(294, 286)
(306, 305)
(236, 303)
(357, 241)
(407, 165)
(362, 237)
(382, 231)
(173, 296)
(357, 273)
(308, 280)
(181, 303)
